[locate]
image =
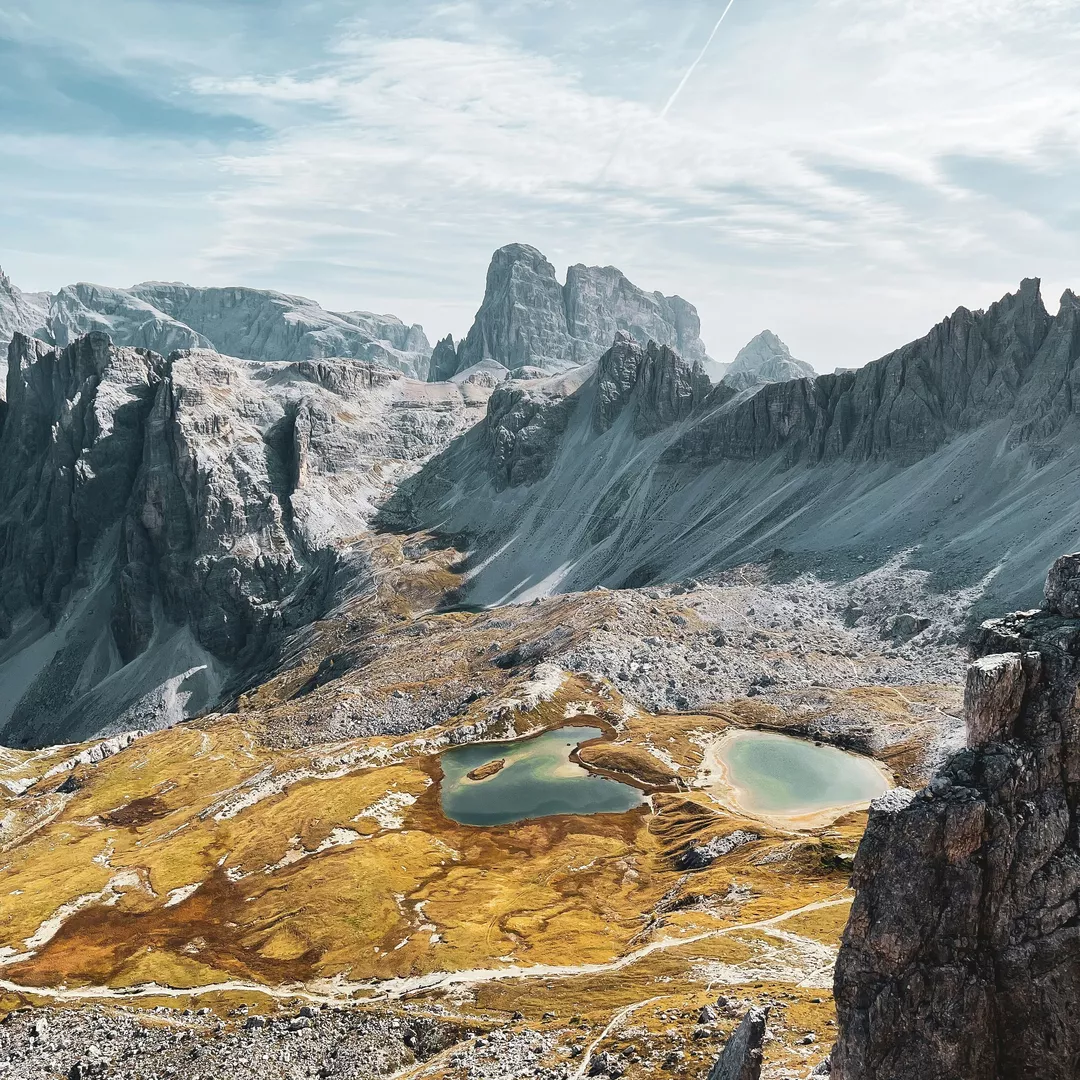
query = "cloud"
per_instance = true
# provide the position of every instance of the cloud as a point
(844, 171)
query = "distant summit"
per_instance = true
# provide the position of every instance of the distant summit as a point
(765, 359)
(529, 320)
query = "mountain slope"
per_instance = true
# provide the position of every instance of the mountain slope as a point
(961, 444)
(166, 521)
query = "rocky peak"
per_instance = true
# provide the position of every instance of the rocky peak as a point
(444, 361)
(662, 386)
(601, 301)
(20, 313)
(742, 1053)
(961, 957)
(765, 359)
(521, 320)
(529, 321)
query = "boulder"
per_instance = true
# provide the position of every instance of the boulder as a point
(741, 1057)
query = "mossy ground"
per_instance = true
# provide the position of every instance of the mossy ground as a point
(218, 858)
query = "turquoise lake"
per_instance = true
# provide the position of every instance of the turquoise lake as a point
(538, 780)
(776, 775)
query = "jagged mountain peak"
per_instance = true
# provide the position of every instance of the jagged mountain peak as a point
(765, 359)
(529, 320)
(664, 387)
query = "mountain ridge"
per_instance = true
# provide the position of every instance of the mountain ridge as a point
(915, 450)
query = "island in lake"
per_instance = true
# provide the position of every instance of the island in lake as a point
(484, 771)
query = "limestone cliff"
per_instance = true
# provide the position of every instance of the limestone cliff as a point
(20, 313)
(253, 324)
(528, 320)
(164, 521)
(961, 959)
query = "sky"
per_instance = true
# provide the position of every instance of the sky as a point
(843, 172)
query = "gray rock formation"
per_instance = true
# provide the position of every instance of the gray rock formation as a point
(925, 450)
(661, 388)
(165, 522)
(699, 856)
(20, 313)
(765, 359)
(252, 324)
(601, 302)
(961, 957)
(741, 1057)
(528, 320)
(443, 363)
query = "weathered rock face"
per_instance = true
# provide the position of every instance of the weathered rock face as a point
(253, 324)
(71, 447)
(165, 522)
(443, 360)
(742, 1054)
(20, 313)
(662, 388)
(961, 958)
(522, 319)
(601, 302)
(528, 320)
(765, 359)
(972, 368)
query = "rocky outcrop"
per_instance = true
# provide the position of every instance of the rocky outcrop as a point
(444, 362)
(71, 447)
(741, 1057)
(522, 319)
(660, 386)
(699, 856)
(765, 359)
(961, 957)
(164, 522)
(523, 430)
(600, 302)
(253, 324)
(531, 324)
(20, 313)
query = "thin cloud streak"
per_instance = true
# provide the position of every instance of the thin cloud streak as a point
(690, 70)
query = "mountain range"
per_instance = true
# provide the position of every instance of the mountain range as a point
(267, 591)
(170, 518)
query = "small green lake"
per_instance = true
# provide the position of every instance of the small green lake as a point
(772, 775)
(537, 779)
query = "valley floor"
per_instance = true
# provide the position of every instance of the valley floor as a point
(290, 860)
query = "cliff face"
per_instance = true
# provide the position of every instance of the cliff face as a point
(654, 380)
(253, 324)
(20, 313)
(529, 320)
(948, 449)
(163, 521)
(972, 368)
(961, 958)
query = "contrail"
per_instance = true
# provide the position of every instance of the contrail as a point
(671, 100)
(690, 69)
